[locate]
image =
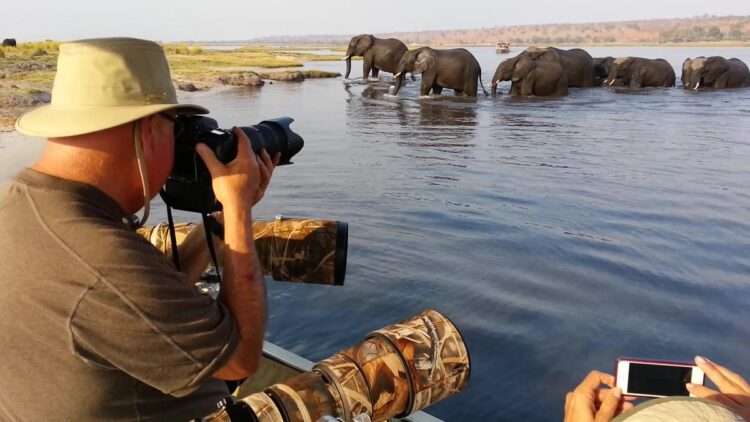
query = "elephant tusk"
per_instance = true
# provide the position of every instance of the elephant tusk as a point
(347, 57)
(398, 75)
(612, 82)
(698, 85)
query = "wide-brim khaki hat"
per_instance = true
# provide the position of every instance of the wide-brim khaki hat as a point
(103, 83)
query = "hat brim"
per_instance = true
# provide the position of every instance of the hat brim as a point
(52, 121)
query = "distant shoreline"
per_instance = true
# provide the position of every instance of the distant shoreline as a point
(722, 44)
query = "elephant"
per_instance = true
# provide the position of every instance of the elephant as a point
(577, 64)
(541, 78)
(601, 69)
(714, 72)
(456, 69)
(637, 72)
(9, 42)
(378, 54)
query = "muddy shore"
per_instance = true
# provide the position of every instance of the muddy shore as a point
(27, 72)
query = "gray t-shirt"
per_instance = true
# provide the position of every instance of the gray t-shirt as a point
(95, 323)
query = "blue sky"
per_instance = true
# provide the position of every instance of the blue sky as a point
(231, 20)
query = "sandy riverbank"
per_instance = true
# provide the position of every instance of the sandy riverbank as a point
(27, 71)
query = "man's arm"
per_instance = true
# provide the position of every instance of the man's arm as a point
(237, 186)
(243, 292)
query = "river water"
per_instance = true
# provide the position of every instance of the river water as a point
(557, 234)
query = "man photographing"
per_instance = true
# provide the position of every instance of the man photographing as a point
(95, 323)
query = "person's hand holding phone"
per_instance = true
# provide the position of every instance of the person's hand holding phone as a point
(595, 400)
(734, 391)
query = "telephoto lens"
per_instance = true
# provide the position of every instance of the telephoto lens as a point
(395, 371)
(302, 250)
(188, 187)
(297, 250)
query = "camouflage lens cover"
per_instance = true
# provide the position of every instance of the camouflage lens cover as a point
(303, 250)
(264, 407)
(346, 377)
(304, 398)
(293, 250)
(435, 353)
(158, 235)
(386, 375)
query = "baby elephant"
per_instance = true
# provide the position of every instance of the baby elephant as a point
(637, 72)
(540, 78)
(456, 69)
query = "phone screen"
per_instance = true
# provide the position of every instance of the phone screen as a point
(658, 380)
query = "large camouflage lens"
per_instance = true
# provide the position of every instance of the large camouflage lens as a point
(348, 380)
(386, 375)
(394, 372)
(258, 407)
(289, 249)
(306, 398)
(303, 250)
(435, 353)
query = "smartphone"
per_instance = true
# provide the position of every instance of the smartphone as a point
(656, 378)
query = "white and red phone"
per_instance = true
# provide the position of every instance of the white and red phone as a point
(656, 378)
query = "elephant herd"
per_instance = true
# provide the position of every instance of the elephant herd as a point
(540, 72)
(456, 69)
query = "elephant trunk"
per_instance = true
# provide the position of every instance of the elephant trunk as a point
(348, 66)
(399, 81)
(494, 88)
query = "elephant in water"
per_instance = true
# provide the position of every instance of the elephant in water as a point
(541, 78)
(456, 69)
(637, 72)
(377, 53)
(577, 64)
(601, 69)
(9, 42)
(714, 72)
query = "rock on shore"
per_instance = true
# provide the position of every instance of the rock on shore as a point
(241, 79)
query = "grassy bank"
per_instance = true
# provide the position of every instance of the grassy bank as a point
(27, 71)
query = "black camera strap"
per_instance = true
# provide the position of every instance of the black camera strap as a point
(207, 225)
(173, 238)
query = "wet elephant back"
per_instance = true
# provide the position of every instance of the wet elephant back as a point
(388, 52)
(658, 73)
(579, 65)
(740, 74)
(453, 65)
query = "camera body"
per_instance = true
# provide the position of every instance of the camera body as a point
(188, 187)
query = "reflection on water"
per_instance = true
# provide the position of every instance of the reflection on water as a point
(558, 234)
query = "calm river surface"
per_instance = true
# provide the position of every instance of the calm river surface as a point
(557, 234)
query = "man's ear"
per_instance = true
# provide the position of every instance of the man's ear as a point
(148, 133)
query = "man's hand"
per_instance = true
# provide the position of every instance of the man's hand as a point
(238, 185)
(734, 391)
(242, 182)
(590, 402)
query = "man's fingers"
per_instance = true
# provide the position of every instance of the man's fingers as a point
(722, 377)
(609, 406)
(276, 159)
(209, 159)
(732, 376)
(594, 379)
(701, 391)
(243, 143)
(604, 392)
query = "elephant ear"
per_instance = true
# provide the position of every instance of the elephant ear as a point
(425, 60)
(366, 42)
